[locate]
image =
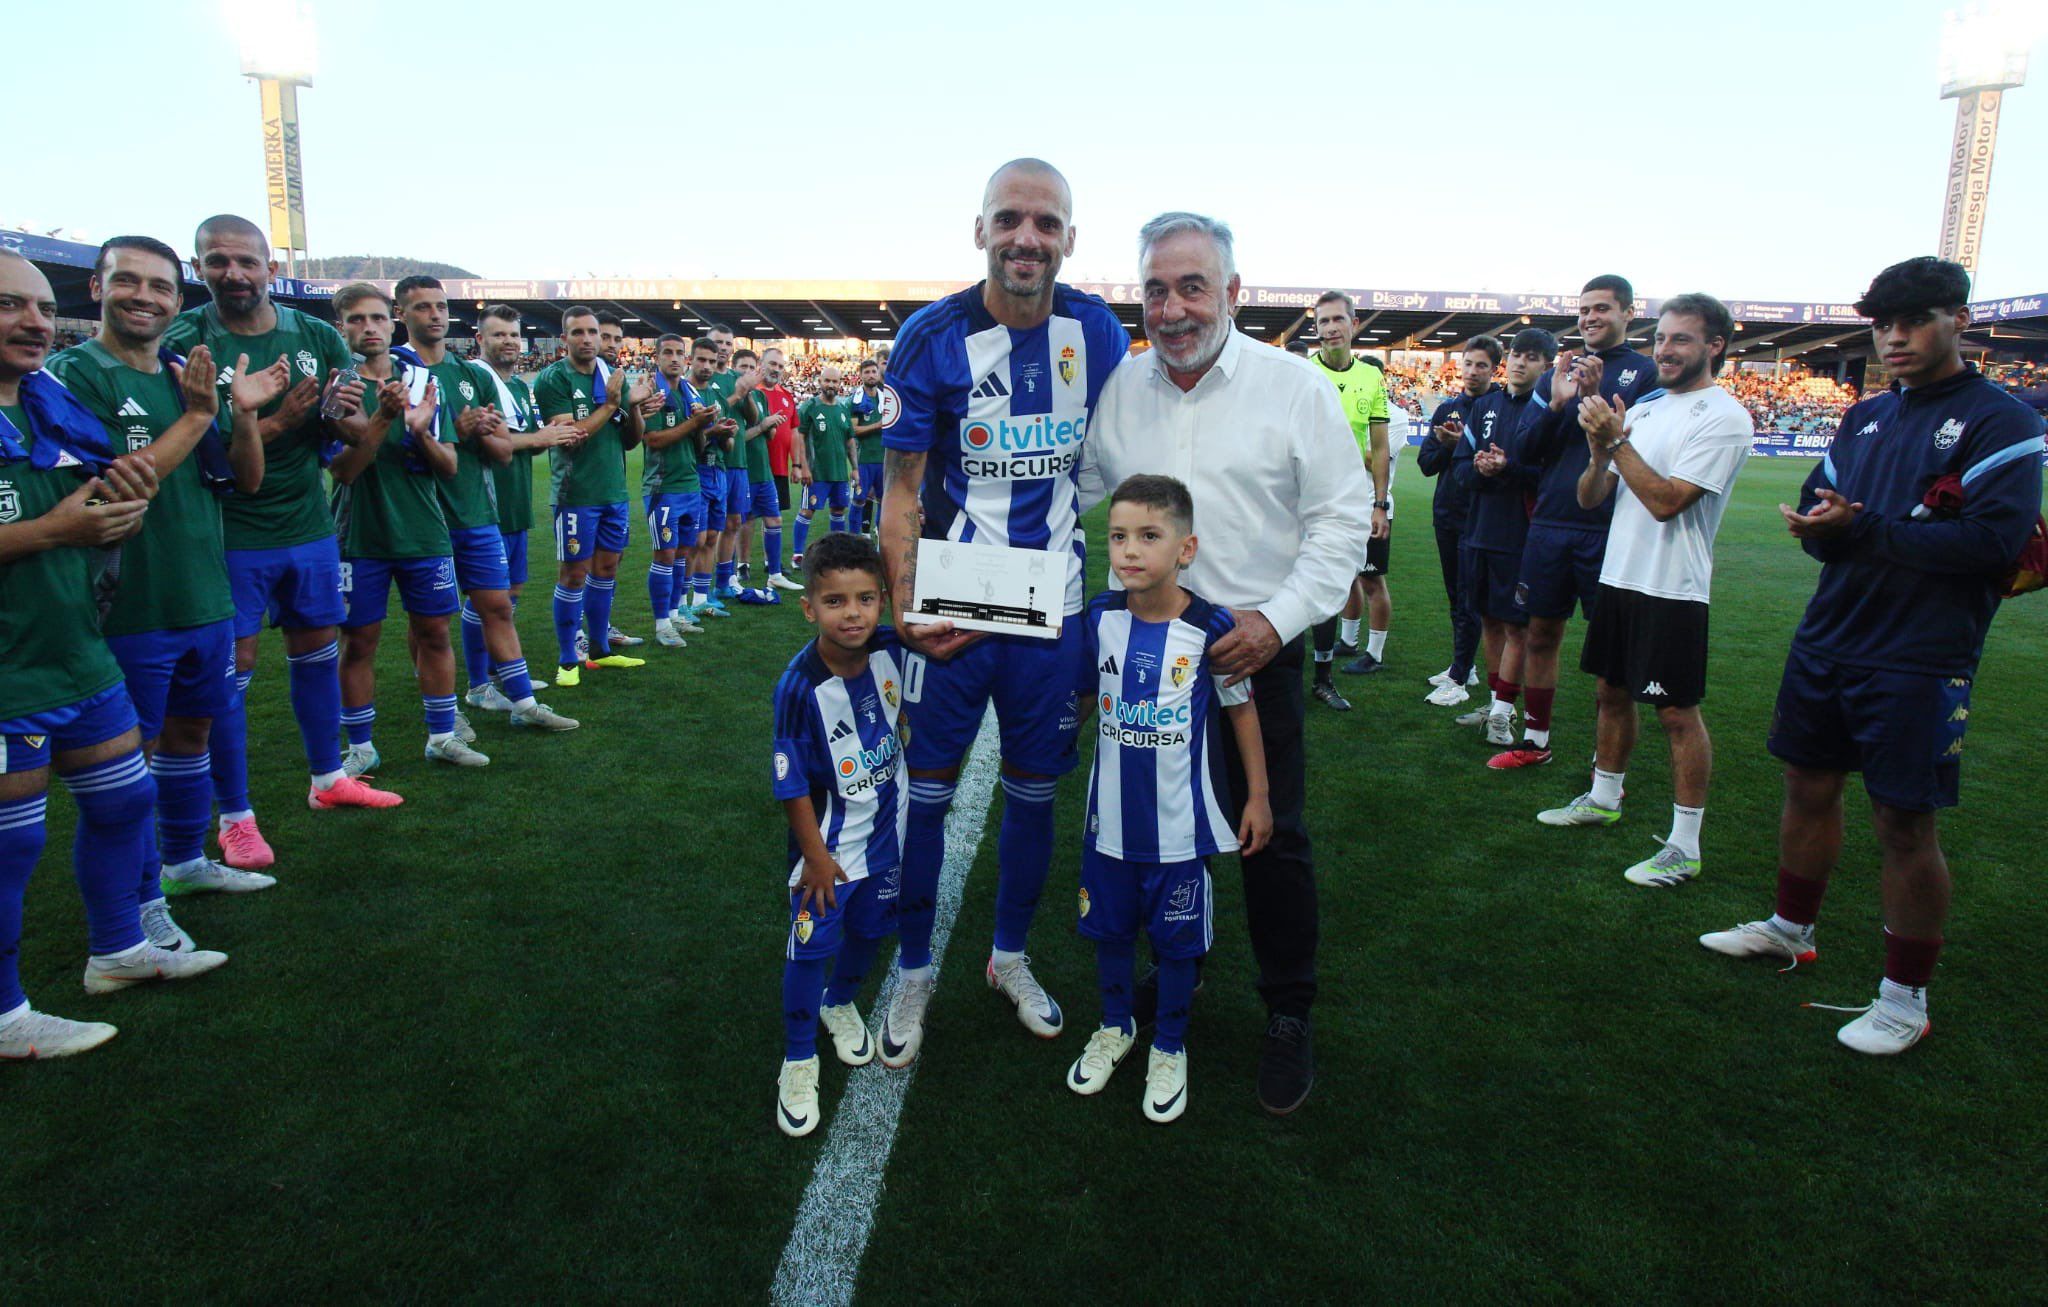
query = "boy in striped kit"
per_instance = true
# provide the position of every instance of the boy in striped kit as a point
(1154, 812)
(839, 733)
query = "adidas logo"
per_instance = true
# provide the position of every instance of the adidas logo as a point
(132, 409)
(1108, 667)
(841, 731)
(1655, 688)
(991, 387)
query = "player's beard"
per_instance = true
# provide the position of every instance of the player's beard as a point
(1022, 290)
(1690, 374)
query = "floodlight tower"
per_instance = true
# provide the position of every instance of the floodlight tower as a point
(277, 53)
(1983, 55)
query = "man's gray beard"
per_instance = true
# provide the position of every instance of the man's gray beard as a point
(1211, 349)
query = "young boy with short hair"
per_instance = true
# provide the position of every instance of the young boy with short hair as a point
(1154, 815)
(839, 731)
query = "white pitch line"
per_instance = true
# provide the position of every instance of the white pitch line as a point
(822, 1258)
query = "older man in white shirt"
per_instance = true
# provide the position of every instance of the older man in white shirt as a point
(1282, 508)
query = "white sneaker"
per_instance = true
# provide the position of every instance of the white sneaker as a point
(713, 612)
(778, 581)
(796, 1098)
(455, 750)
(903, 1023)
(1441, 678)
(1106, 1050)
(1886, 1027)
(1669, 869)
(38, 1036)
(1447, 695)
(618, 639)
(1035, 1008)
(665, 635)
(208, 876)
(105, 975)
(463, 730)
(849, 1033)
(1761, 939)
(1472, 678)
(582, 646)
(487, 698)
(540, 717)
(1166, 1085)
(360, 759)
(1500, 728)
(161, 931)
(1582, 811)
(1477, 717)
(685, 626)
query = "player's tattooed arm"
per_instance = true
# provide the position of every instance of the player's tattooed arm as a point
(902, 523)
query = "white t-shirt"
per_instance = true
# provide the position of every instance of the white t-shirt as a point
(1704, 437)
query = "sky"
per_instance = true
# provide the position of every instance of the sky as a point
(1756, 151)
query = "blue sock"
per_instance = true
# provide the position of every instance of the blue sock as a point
(850, 970)
(116, 800)
(1176, 1000)
(924, 852)
(568, 616)
(513, 678)
(1116, 972)
(678, 585)
(360, 722)
(440, 713)
(853, 518)
(803, 985)
(1023, 855)
(661, 579)
(184, 807)
(22, 836)
(839, 521)
(597, 614)
(771, 542)
(725, 566)
(230, 749)
(316, 702)
(701, 583)
(803, 532)
(476, 656)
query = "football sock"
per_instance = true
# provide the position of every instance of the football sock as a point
(660, 579)
(116, 800)
(1323, 639)
(724, 582)
(924, 851)
(184, 807)
(22, 837)
(1004, 956)
(1685, 829)
(850, 970)
(360, 722)
(803, 532)
(853, 519)
(568, 616)
(1607, 788)
(803, 986)
(229, 746)
(913, 973)
(1023, 856)
(1910, 962)
(1177, 977)
(1504, 692)
(316, 702)
(1536, 714)
(1912, 996)
(440, 714)
(1376, 643)
(1799, 899)
(1116, 973)
(516, 682)
(597, 614)
(1792, 927)
(678, 588)
(839, 521)
(1347, 630)
(476, 656)
(700, 588)
(771, 544)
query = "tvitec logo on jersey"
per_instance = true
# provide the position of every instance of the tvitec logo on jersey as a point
(1037, 447)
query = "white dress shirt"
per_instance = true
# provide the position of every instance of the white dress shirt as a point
(1282, 500)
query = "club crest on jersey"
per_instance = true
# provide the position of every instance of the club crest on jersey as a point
(138, 438)
(1183, 667)
(1951, 431)
(1067, 365)
(467, 391)
(1084, 903)
(802, 926)
(1627, 375)
(307, 363)
(889, 692)
(10, 504)
(35, 741)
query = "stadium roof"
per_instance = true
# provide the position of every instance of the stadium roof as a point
(875, 310)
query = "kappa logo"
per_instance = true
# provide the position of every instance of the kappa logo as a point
(840, 731)
(991, 387)
(1868, 427)
(1951, 431)
(132, 408)
(1067, 365)
(10, 504)
(1108, 667)
(1961, 714)
(307, 363)
(1655, 688)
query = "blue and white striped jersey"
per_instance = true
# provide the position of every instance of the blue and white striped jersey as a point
(1002, 414)
(840, 740)
(1153, 796)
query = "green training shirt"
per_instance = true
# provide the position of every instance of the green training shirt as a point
(389, 510)
(471, 495)
(871, 443)
(513, 480)
(827, 428)
(594, 473)
(671, 470)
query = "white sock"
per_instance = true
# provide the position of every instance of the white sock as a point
(1541, 739)
(1326, 655)
(524, 704)
(1500, 707)
(15, 1014)
(1793, 928)
(1906, 995)
(1685, 829)
(916, 973)
(1002, 957)
(228, 819)
(689, 598)
(441, 738)
(1347, 630)
(1375, 643)
(663, 624)
(324, 781)
(1607, 788)
(123, 956)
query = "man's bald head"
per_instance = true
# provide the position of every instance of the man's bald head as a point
(1037, 169)
(231, 225)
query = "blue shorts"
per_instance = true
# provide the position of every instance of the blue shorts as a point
(713, 482)
(739, 493)
(187, 672)
(515, 557)
(822, 492)
(1032, 685)
(426, 587)
(1492, 580)
(767, 501)
(870, 482)
(1171, 900)
(297, 587)
(480, 562)
(1561, 565)
(27, 743)
(867, 910)
(674, 521)
(581, 532)
(1902, 730)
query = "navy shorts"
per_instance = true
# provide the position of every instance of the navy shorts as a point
(1171, 900)
(822, 493)
(1902, 730)
(712, 480)
(581, 532)
(675, 520)
(515, 557)
(766, 499)
(738, 494)
(480, 562)
(426, 588)
(1031, 683)
(1561, 565)
(1492, 580)
(867, 910)
(298, 587)
(187, 672)
(27, 743)
(870, 483)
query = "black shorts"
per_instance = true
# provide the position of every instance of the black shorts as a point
(1657, 648)
(1902, 730)
(1376, 552)
(1490, 587)
(782, 490)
